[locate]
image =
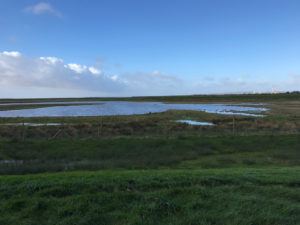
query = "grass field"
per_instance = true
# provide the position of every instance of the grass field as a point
(215, 196)
(148, 169)
(148, 153)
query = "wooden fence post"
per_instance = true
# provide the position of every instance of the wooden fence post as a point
(23, 130)
(233, 125)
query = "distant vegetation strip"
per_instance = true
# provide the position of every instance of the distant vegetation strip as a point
(178, 98)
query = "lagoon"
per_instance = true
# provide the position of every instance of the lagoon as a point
(113, 108)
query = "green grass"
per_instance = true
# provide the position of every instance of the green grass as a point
(233, 196)
(143, 153)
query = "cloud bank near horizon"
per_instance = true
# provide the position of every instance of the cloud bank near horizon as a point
(50, 76)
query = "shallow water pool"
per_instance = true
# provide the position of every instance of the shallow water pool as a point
(195, 123)
(112, 108)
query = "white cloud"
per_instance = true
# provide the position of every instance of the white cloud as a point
(80, 69)
(43, 8)
(26, 77)
(77, 68)
(114, 77)
(12, 54)
(51, 60)
(94, 70)
(31, 75)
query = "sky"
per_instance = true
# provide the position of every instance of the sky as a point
(76, 48)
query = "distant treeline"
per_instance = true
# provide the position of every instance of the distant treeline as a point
(294, 95)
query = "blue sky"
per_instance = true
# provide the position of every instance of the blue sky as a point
(152, 47)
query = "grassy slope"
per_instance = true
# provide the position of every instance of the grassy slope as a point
(143, 153)
(233, 196)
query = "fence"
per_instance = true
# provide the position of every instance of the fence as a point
(110, 127)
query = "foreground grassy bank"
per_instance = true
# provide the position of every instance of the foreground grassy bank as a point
(32, 156)
(212, 196)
